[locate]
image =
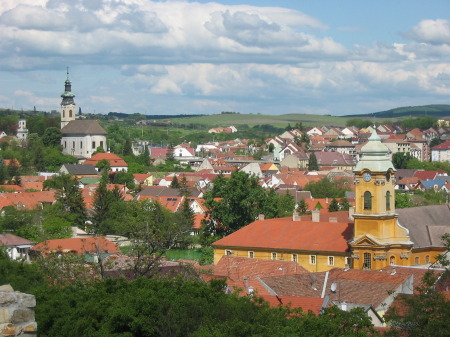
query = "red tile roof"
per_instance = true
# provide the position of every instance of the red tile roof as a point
(313, 304)
(284, 233)
(114, 160)
(11, 188)
(77, 245)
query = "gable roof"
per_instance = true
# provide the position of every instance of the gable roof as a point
(442, 146)
(9, 240)
(354, 286)
(83, 127)
(284, 233)
(113, 159)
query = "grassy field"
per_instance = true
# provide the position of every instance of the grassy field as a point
(251, 120)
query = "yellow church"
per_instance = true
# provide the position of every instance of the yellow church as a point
(373, 235)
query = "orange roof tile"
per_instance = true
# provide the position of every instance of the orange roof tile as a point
(284, 233)
(313, 304)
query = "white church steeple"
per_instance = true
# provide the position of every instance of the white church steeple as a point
(67, 104)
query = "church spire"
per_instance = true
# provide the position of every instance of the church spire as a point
(67, 96)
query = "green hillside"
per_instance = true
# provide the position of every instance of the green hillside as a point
(434, 110)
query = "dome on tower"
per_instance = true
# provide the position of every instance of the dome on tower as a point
(374, 156)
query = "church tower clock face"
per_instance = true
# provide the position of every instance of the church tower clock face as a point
(367, 177)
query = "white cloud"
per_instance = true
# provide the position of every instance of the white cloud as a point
(431, 31)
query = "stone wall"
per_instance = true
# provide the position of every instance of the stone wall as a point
(16, 313)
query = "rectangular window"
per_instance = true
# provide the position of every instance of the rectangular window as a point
(81, 145)
(312, 259)
(274, 256)
(65, 145)
(416, 260)
(101, 144)
(348, 262)
(295, 257)
(93, 145)
(73, 145)
(251, 255)
(228, 252)
(367, 261)
(331, 260)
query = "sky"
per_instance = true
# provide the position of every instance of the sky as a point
(259, 57)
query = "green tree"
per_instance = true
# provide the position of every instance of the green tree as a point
(435, 141)
(169, 155)
(175, 183)
(184, 189)
(127, 148)
(344, 204)
(400, 160)
(302, 207)
(52, 137)
(403, 200)
(334, 206)
(70, 200)
(124, 178)
(312, 162)
(325, 188)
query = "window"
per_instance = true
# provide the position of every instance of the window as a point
(70, 113)
(274, 256)
(73, 145)
(416, 260)
(251, 255)
(295, 257)
(392, 260)
(388, 201)
(367, 201)
(64, 113)
(101, 144)
(331, 260)
(427, 259)
(93, 145)
(228, 252)
(367, 261)
(312, 259)
(348, 262)
(65, 145)
(81, 145)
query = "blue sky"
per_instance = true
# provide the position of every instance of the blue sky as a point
(185, 57)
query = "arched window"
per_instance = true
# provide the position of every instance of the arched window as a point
(392, 260)
(367, 200)
(388, 201)
(70, 113)
(427, 259)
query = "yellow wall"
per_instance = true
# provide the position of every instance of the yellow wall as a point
(303, 258)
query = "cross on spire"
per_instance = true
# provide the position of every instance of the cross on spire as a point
(67, 72)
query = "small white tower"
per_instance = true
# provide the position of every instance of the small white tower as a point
(67, 104)
(22, 131)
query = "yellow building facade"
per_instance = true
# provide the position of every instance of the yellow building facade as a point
(379, 239)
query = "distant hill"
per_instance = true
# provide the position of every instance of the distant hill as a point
(434, 110)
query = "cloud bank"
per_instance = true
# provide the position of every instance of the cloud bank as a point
(187, 57)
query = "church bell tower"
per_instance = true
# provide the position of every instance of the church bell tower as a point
(378, 240)
(67, 104)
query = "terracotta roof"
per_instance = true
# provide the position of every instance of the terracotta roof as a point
(83, 127)
(442, 146)
(240, 268)
(77, 245)
(284, 233)
(28, 200)
(11, 188)
(140, 177)
(427, 175)
(38, 186)
(313, 304)
(113, 159)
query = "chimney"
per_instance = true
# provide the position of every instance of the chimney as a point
(261, 217)
(296, 217)
(315, 215)
(333, 219)
(351, 211)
